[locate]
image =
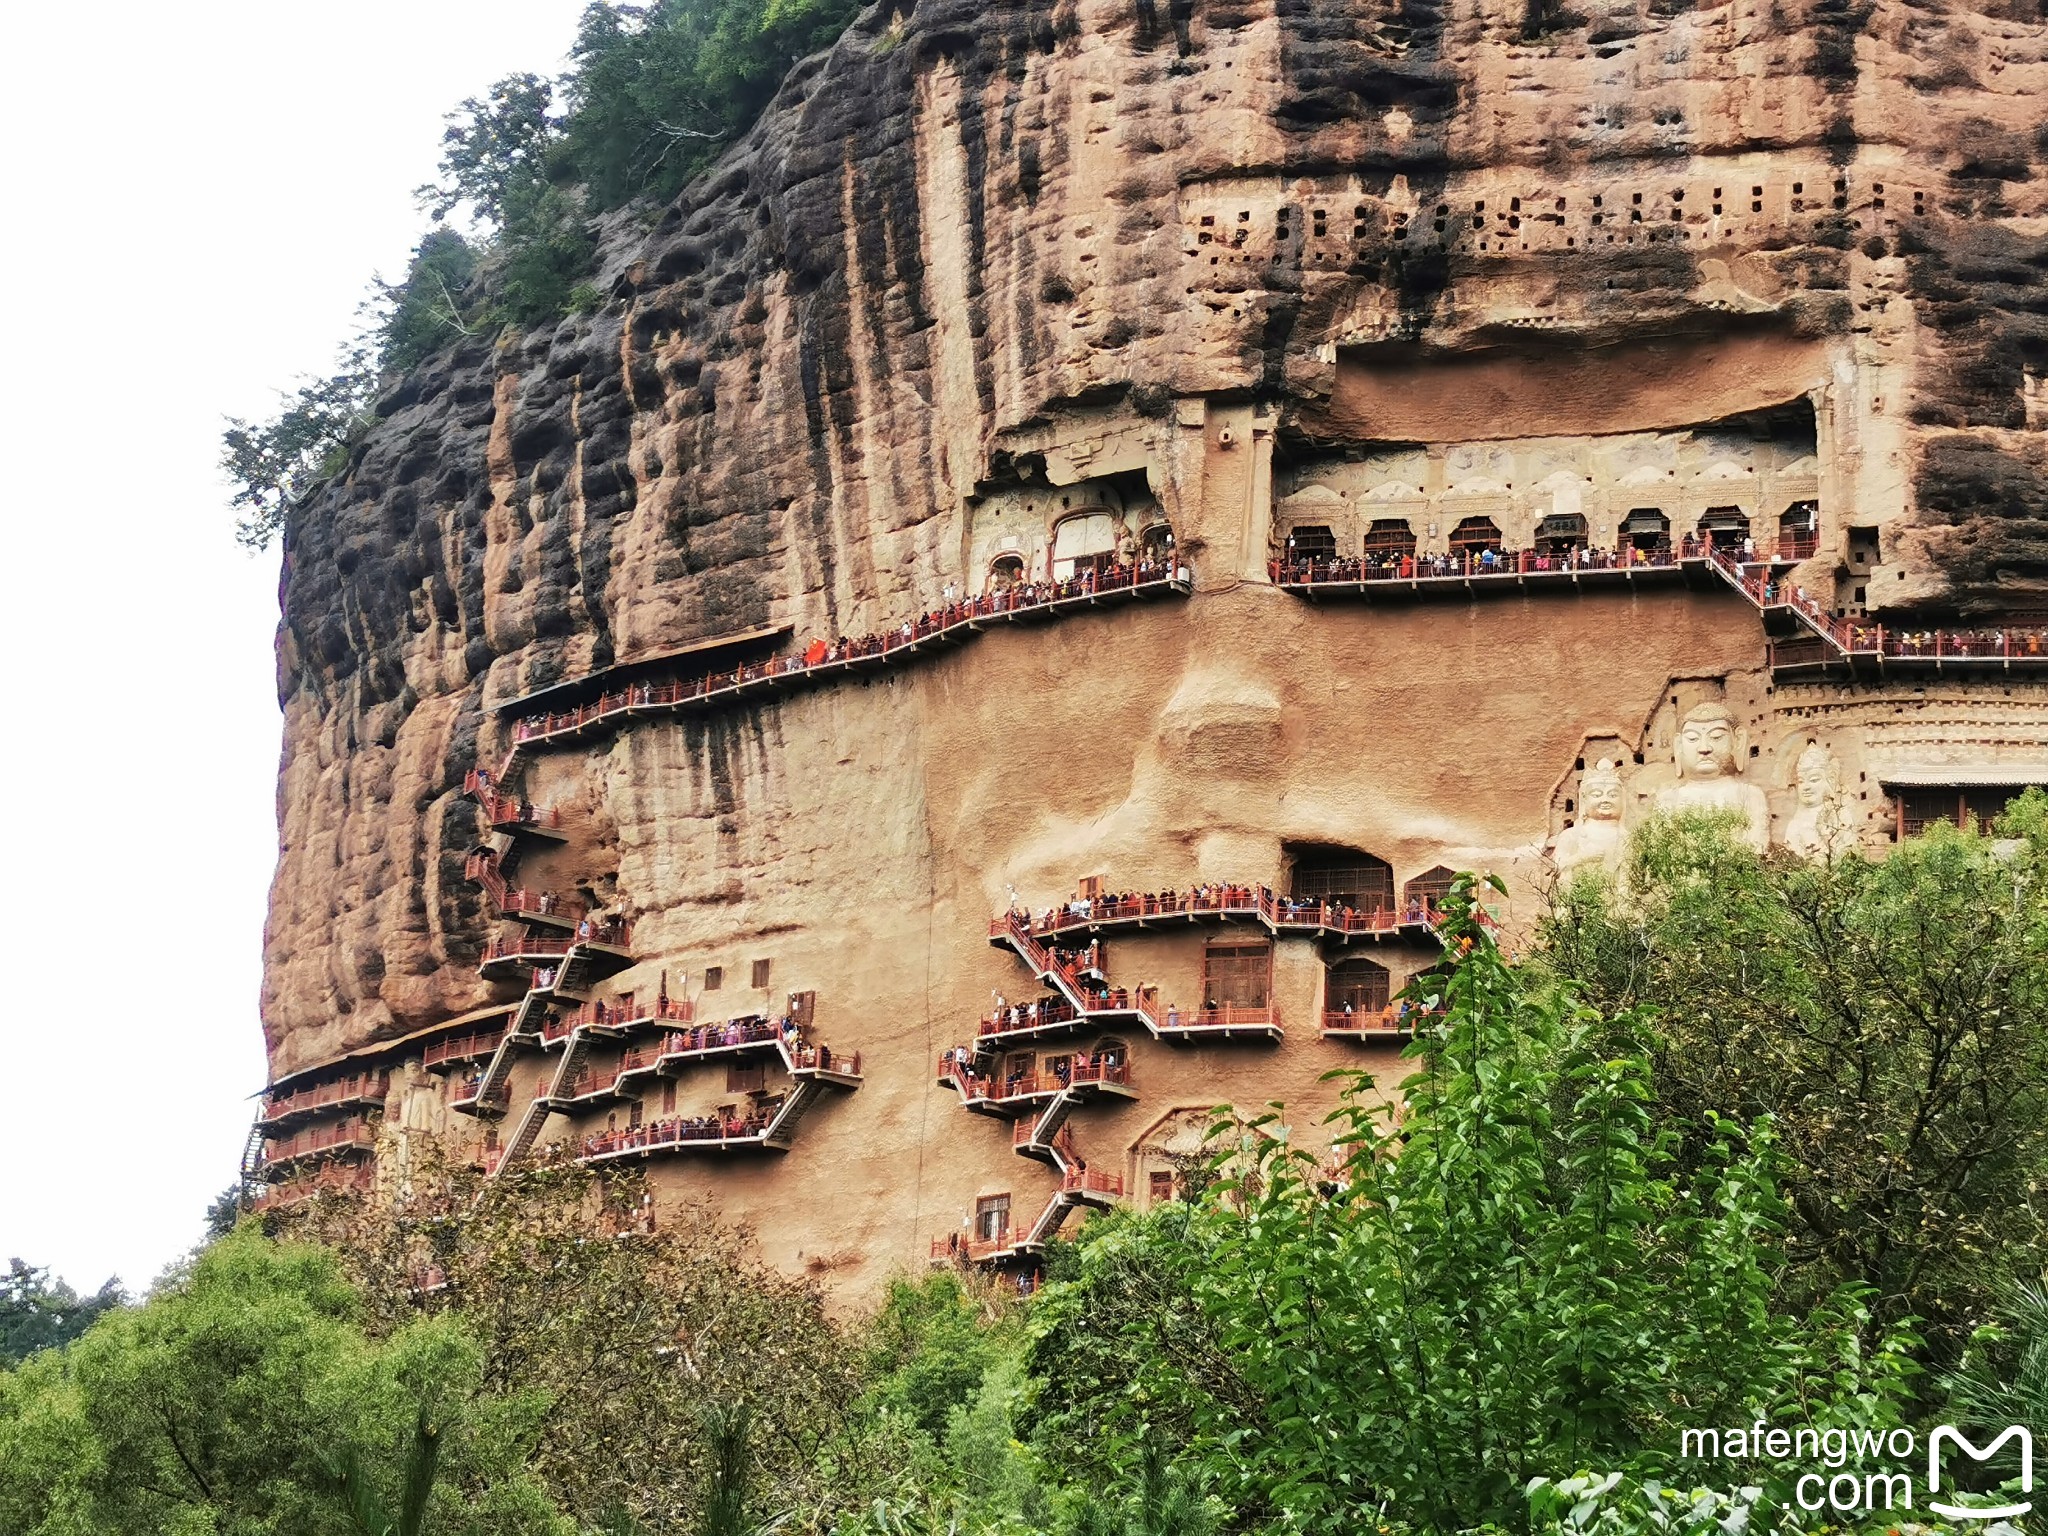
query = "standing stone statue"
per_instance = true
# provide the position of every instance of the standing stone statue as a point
(1709, 761)
(1818, 829)
(1596, 837)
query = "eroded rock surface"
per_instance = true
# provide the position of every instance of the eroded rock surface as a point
(1239, 268)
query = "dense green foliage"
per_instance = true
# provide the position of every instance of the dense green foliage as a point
(247, 1398)
(1494, 1309)
(654, 92)
(1525, 1290)
(39, 1312)
(1889, 1015)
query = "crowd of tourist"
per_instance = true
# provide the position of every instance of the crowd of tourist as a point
(1223, 897)
(1491, 560)
(749, 1124)
(954, 610)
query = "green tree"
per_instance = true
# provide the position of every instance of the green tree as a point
(1890, 1015)
(1508, 1284)
(38, 1311)
(658, 89)
(626, 1343)
(273, 464)
(495, 147)
(430, 308)
(245, 1398)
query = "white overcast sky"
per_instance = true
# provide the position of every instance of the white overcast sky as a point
(197, 197)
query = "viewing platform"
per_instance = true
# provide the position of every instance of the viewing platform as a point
(1031, 1093)
(770, 1129)
(544, 907)
(444, 1054)
(1079, 1187)
(509, 813)
(867, 654)
(1223, 903)
(1389, 1023)
(321, 1141)
(359, 1090)
(603, 948)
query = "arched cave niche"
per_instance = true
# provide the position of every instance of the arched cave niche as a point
(1727, 526)
(1312, 541)
(1475, 534)
(1646, 530)
(1561, 533)
(1156, 543)
(1429, 887)
(1799, 530)
(1083, 541)
(1005, 572)
(1360, 987)
(1346, 876)
(1390, 538)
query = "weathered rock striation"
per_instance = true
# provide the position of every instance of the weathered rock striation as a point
(1251, 271)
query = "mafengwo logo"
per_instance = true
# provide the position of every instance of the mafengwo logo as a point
(1949, 1435)
(1865, 1471)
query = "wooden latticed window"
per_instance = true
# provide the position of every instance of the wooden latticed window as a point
(1364, 985)
(745, 1079)
(1962, 806)
(761, 972)
(1237, 975)
(1344, 876)
(714, 977)
(1429, 887)
(1474, 534)
(1390, 536)
(1160, 1186)
(1314, 542)
(991, 1216)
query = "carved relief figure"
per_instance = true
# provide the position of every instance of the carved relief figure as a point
(1596, 838)
(1817, 829)
(1709, 762)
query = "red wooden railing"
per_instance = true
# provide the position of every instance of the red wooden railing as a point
(996, 1090)
(482, 868)
(1223, 1016)
(612, 934)
(461, 1048)
(372, 1086)
(853, 654)
(669, 1133)
(323, 1138)
(1222, 900)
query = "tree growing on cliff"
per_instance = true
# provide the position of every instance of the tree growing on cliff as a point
(1509, 1282)
(273, 464)
(1890, 1015)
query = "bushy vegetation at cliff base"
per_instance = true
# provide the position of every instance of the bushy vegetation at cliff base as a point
(1500, 1308)
(653, 93)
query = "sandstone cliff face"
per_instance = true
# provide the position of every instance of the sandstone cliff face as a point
(983, 251)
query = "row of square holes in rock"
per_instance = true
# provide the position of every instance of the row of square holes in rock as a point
(1511, 216)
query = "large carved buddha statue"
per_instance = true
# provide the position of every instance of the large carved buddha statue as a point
(1596, 837)
(1709, 762)
(1818, 829)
